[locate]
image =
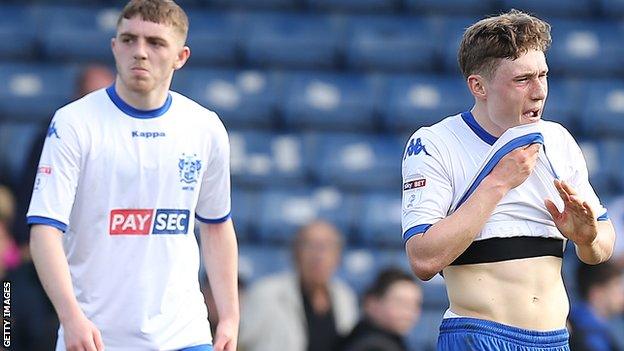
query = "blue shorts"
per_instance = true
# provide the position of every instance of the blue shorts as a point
(204, 347)
(471, 334)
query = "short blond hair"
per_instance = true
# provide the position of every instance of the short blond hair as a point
(157, 11)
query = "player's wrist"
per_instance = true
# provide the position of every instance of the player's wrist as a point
(493, 185)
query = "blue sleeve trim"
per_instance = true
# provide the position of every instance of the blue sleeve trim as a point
(604, 217)
(210, 220)
(47, 221)
(204, 347)
(513, 144)
(421, 228)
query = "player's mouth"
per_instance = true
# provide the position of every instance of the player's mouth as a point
(532, 113)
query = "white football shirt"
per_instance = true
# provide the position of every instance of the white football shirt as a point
(125, 186)
(440, 161)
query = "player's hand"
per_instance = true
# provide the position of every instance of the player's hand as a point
(226, 336)
(577, 221)
(82, 335)
(515, 167)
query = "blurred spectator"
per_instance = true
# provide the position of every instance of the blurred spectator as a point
(9, 251)
(392, 307)
(305, 310)
(601, 289)
(92, 78)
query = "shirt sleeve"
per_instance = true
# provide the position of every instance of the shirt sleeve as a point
(580, 181)
(427, 187)
(57, 175)
(214, 204)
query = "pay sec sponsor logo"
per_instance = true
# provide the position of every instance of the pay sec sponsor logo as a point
(148, 221)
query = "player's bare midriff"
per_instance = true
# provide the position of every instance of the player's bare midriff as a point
(525, 293)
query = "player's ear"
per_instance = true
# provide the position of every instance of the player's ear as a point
(183, 56)
(476, 85)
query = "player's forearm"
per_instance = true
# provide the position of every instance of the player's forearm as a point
(600, 249)
(49, 259)
(443, 242)
(220, 253)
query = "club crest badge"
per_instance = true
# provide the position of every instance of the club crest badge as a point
(189, 166)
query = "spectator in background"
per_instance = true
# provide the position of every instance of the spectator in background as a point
(305, 310)
(601, 289)
(391, 308)
(9, 251)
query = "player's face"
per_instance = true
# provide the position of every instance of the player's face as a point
(517, 91)
(147, 53)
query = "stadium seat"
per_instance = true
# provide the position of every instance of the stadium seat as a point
(243, 99)
(380, 223)
(415, 101)
(560, 8)
(390, 43)
(261, 159)
(604, 159)
(291, 40)
(255, 4)
(360, 265)
(448, 33)
(356, 161)
(72, 33)
(586, 48)
(32, 92)
(564, 102)
(16, 140)
(612, 8)
(243, 214)
(603, 113)
(354, 6)
(324, 101)
(281, 213)
(214, 38)
(450, 7)
(256, 261)
(17, 33)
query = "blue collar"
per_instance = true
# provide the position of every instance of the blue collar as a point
(477, 129)
(134, 112)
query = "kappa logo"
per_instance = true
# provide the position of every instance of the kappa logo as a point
(52, 131)
(147, 135)
(415, 148)
(148, 221)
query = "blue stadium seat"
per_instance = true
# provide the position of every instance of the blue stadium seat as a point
(415, 101)
(603, 113)
(16, 140)
(356, 161)
(214, 38)
(390, 43)
(564, 102)
(612, 8)
(71, 33)
(255, 4)
(449, 31)
(258, 261)
(424, 335)
(380, 223)
(604, 159)
(243, 99)
(359, 266)
(323, 101)
(450, 7)
(281, 213)
(291, 40)
(353, 6)
(561, 8)
(17, 33)
(243, 214)
(267, 159)
(34, 92)
(586, 48)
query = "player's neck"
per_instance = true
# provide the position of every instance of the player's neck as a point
(482, 117)
(145, 101)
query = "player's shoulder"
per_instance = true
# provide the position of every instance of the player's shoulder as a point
(435, 137)
(193, 109)
(75, 112)
(556, 131)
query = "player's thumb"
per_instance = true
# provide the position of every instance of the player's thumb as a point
(552, 208)
(97, 338)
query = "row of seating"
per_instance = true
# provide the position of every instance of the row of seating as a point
(570, 8)
(387, 43)
(305, 100)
